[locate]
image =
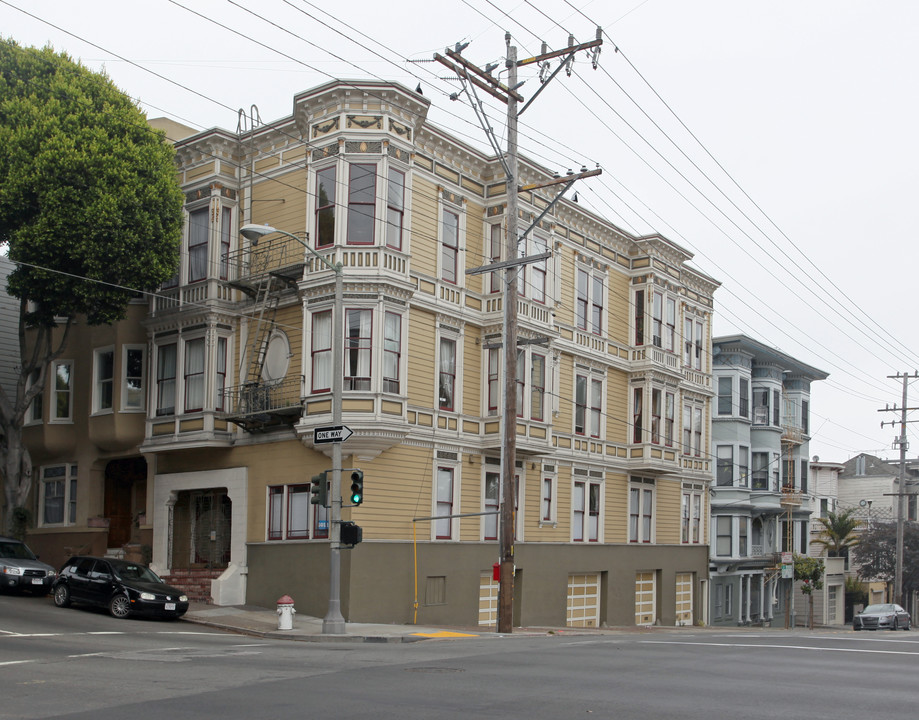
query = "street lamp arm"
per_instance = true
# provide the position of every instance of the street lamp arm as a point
(253, 233)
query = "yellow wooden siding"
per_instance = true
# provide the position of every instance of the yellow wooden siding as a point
(564, 422)
(566, 308)
(618, 416)
(281, 202)
(420, 383)
(471, 371)
(424, 227)
(619, 307)
(475, 245)
(667, 512)
(616, 517)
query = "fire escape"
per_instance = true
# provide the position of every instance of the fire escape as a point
(261, 402)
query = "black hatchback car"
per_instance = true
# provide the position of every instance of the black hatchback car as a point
(123, 588)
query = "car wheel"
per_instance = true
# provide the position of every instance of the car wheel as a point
(905, 627)
(119, 606)
(62, 596)
(856, 628)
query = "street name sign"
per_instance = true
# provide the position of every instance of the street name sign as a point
(331, 434)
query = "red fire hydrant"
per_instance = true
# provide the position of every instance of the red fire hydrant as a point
(286, 613)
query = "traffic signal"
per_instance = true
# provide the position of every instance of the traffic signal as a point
(351, 534)
(319, 489)
(357, 487)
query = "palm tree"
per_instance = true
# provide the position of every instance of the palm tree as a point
(838, 534)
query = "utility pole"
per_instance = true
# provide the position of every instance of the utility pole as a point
(901, 489)
(474, 77)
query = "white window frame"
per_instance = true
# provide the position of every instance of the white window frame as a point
(581, 530)
(589, 300)
(445, 206)
(314, 514)
(98, 382)
(647, 492)
(141, 407)
(490, 522)
(455, 338)
(548, 483)
(692, 504)
(175, 343)
(53, 416)
(69, 480)
(437, 526)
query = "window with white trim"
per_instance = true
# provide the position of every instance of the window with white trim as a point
(588, 405)
(358, 344)
(198, 231)
(693, 337)
(444, 500)
(641, 511)
(449, 246)
(104, 376)
(590, 290)
(58, 492)
(226, 237)
(194, 374)
(725, 472)
(495, 252)
(133, 365)
(62, 376)
(547, 493)
(166, 379)
(362, 180)
(291, 516)
(669, 414)
(585, 511)
(491, 492)
(325, 206)
(321, 351)
(724, 529)
(220, 379)
(691, 514)
(446, 383)
(494, 378)
(725, 395)
(692, 429)
(395, 208)
(392, 351)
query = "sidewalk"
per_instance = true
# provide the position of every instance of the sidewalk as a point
(261, 622)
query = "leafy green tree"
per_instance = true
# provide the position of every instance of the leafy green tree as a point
(876, 554)
(839, 532)
(809, 571)
(90, 210)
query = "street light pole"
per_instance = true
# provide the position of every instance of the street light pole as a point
(333, 623)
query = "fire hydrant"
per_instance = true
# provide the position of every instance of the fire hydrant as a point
(286, 613)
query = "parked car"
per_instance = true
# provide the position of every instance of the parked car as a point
(877, 617)
(123, 588)
(20, 568)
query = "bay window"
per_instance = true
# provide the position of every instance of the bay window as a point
(358, 343)
(361, 204)
(198, 230)
(496, 250)
(166, 380)
(321, 351)
(59, 495)
(585, 511)
(490, 504)
(444, 498)
(395, 208)
(325, 207)
(104, 361)
(392, 351)
(62, 407)
(537, 386)
(132, 386)
(220, 382)
(589, 302)
(641, 511)
(194, 375)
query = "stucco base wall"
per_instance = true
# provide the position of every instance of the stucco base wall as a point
(379, 583)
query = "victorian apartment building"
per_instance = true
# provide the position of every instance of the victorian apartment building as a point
(227, 370)
(761, 503)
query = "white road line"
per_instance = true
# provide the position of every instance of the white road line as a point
(780, 647)
(16, 662)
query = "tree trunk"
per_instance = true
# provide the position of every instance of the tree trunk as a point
(17, 474)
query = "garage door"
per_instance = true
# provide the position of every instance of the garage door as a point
(645, 610)
(683, 599)
(488, 600)
(584, 600)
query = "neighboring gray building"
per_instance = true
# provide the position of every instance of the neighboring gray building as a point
(760, 503)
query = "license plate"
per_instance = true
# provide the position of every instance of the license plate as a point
(37, 581)
(170, 606)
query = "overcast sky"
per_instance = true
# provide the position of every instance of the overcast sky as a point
(774, 140)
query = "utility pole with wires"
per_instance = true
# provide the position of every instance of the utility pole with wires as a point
(901, 488)
(473, 79)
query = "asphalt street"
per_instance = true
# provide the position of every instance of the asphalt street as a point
(79, 663)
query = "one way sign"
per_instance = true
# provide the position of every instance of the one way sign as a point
(331, 434)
